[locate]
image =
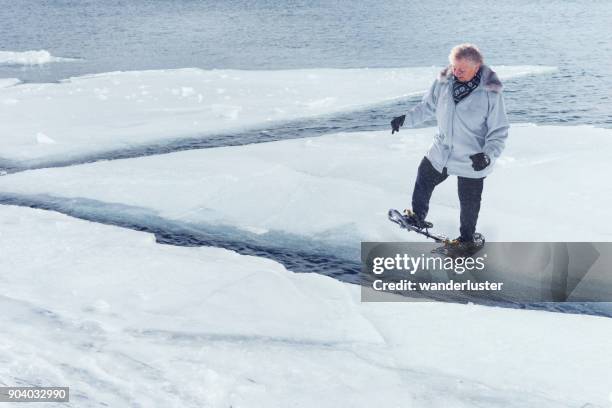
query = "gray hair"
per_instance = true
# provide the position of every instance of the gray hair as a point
(465, 51)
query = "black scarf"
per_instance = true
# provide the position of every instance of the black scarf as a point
(463, 89)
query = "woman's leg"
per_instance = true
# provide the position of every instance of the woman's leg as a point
(427, 179)
(470, 194)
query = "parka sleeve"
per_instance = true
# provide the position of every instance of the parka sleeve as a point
(425, 110)
(497, 126)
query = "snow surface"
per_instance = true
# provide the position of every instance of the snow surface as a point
(551, 184)
(39, 57)
(103, 112)
(125, 321)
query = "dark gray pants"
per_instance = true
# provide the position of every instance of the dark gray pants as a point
(470, 193)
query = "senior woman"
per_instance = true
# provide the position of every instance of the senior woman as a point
(466, 99)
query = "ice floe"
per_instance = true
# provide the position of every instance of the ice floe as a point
(111, 111)
(124, 321)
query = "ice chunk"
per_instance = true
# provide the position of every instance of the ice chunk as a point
(6, 82)
(30, 58)
(41, 138)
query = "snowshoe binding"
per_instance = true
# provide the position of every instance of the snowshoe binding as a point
(411, 222)
(412, 219)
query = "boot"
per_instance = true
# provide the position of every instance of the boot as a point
(466, 244)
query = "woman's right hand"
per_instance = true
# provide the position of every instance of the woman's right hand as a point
(396, 123)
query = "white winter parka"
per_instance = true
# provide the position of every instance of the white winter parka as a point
(476, 124)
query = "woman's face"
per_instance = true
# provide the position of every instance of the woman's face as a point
(464, 69)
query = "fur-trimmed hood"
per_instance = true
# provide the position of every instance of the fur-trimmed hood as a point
(489, 78)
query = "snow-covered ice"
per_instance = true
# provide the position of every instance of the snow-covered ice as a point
(37, 57)
(125, 321)
(337, 188)
(105, 112)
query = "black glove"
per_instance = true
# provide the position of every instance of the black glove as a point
(396, 123)
(480, 161)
